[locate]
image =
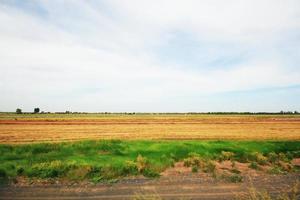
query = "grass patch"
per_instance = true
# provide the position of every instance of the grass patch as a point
(111, 159)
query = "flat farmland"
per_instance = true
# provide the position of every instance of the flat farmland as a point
(27, 128)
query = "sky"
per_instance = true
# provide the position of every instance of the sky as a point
(150, 55)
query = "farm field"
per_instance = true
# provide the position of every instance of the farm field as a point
(113, 156)
(27, 128)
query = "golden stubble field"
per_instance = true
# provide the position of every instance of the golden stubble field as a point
(27, 128)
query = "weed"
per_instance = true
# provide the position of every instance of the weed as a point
(48, 169)
(194, 160)
(79, 173)
(226, 155)
(187, 162)
(283, 157)
(273, 157)
(254, 165)
(150, 173)
(141, 163)
(130, 167)
(233, 178)
(210, 167)
(276, 170)
(285, 166)
(260, 158)
(235, 171)
(289, 155)
(194, 169)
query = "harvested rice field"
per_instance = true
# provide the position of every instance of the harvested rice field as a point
(27, 128)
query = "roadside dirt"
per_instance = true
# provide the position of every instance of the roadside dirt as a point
(175, 183)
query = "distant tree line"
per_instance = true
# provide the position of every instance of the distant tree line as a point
(37, 110)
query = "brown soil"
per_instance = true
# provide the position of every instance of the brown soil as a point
(296, 162)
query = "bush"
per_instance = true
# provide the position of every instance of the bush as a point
(130, 168)
(273, 158)
(235, 178)
(283, 157)
(226, 155)
(187, 162)
(193, 160)
(259, 158)
(289, 155)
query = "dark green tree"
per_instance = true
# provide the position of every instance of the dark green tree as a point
(36, 110)
(19, 111)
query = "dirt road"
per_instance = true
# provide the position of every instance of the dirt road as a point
(189, 187)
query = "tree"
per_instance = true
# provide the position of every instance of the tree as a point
(19, 111)
(36, 110)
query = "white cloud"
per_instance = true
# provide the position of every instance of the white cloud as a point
(80, 53)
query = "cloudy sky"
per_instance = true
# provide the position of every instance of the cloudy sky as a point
(150, 55)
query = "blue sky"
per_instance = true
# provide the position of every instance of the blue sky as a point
(150, 56)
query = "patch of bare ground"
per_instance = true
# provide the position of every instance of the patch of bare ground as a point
(225, 167)
(296, 162)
